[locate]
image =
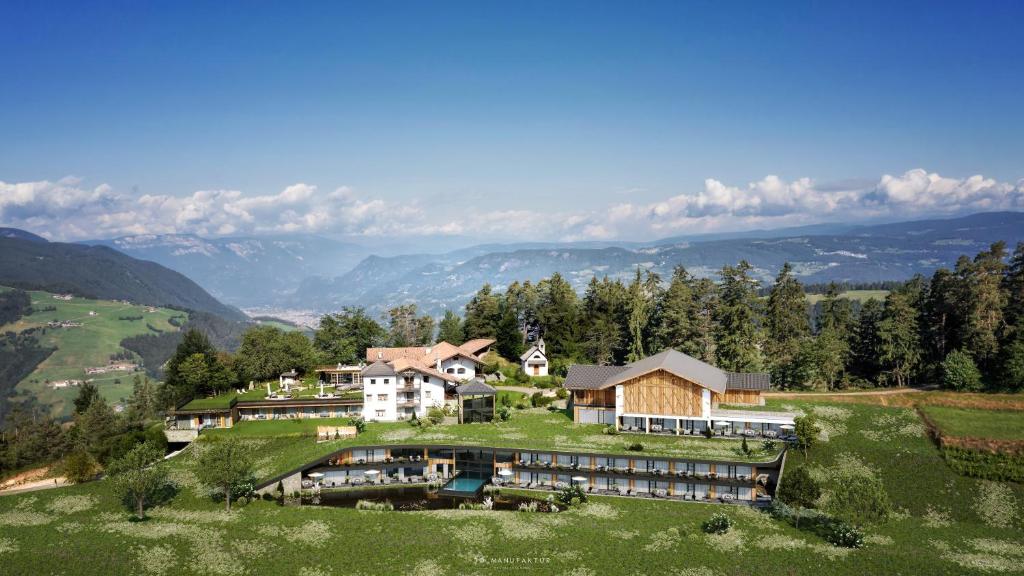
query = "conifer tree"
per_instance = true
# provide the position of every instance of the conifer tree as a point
(787, 326)
(738, 330)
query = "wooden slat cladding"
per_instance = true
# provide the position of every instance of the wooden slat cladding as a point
(752, 397)
(604, 397)
(661, 393)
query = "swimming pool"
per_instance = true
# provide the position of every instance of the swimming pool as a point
(463, 485)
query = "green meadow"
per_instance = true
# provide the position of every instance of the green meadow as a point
(88, 345)
(944, 523)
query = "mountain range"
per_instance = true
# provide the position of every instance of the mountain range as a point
(322, 274)
(31, 262)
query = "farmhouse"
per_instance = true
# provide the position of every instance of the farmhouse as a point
(535, 360)
(461, 362)
(671, 393)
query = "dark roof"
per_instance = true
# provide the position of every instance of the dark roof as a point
(748, 381)
(378, 368)
(589, 376)
(673, 362)
(475, 388)
(526, 355)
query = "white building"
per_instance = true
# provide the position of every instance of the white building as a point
(535, 360)
(401, 382)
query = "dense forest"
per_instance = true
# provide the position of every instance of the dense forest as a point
(13, 305)
(19, 356)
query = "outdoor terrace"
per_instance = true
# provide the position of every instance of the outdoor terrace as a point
(224, 401)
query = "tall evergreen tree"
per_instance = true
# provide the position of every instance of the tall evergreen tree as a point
(899, 342)
(836, 311)
(558, 314)
(985, 322)
(787, 326)
(450, 329)
(509, 338)
(738, 334)
(867, 348)
(604, 320)
(638, 312)
(482, 314)
(678, 324)
(945, 305)
(1013, 290)
(705, 298)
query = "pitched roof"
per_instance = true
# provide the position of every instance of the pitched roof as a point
(476, 345)
(475, 388)
(589, 376)
(526, 355)
(403, 364)
(747, 381)
(378, 368)
(677, 363)
(389, 354)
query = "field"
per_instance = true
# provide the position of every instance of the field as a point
(945, 524)
(85, 346)
(858, 295)
(973, 423)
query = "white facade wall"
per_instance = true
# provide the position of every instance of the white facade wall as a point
(453, 365)
(431, 394)
(536, 359)
(379, 398)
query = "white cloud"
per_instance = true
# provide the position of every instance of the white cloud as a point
(66, 210)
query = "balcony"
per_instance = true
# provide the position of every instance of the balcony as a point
(407, 386)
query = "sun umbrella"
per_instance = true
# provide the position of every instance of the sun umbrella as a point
(721, 424)
(787, 427)
(579, 478)
(504, 472)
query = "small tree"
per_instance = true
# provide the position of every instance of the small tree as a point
(80, 466)
(959, 372)
(799, 489)
(744, 447)
(719, 523)
(139, 477)
(435, 415)
(358, 422)
(224, 465)
(806, 431)
(859, 499)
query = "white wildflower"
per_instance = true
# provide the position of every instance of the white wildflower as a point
(995, 504)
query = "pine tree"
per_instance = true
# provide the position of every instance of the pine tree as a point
(1013, 291)
(678, 322)
(787, 325)
(985, 322)
(450, 329)
(482, 314)
(867, 347)
(604, 320)
(509, 340)
(738, 334)
(944, 311)
(705, 298)
(558, 314)
(898, 338)
(638, 310)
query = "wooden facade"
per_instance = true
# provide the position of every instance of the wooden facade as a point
(661, 392)
(751, 397)
(604, 398)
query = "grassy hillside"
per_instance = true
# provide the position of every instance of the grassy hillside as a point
(973, 423)
(88, 345)
(856, 295)
(945, 524)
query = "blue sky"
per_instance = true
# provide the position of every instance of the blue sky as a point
(589, 120)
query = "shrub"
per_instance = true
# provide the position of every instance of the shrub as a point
(539, 400)
(719, 523)
(80, 467)
(521, 405)
(707, 432)
(839, 533)
(435, 415)
(562, 393)
(744, 447)
(635, 447)
(503, 413)
(860, 499)
(610, 430)
(959, 372)
(572, 494)
(768, 445)
(358, 422)
(385, 506)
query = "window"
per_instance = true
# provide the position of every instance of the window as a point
(387, 380)
(426, 394)
(373, 380)
(462, 370)
(382, 397)
(380, 413)
(369, 396)
(450, 370)
(426, 379)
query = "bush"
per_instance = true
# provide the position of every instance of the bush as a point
(719, 523)
(635, 447)
(844, 535)
(358, 422)
(503, 413)
(521, 405)
(744, 447)
(799, 488)
(959, 372)
(860, 499)
(80, 467)
(768, 446)
(573, 494)
(562, 393)
(539, 400)
(610, 430)
(435, 415)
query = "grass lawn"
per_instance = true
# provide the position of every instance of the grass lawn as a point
(858, 295)
(946, 524)
(527, 429)
(86, 346)
(259, 393)
(973, 423)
